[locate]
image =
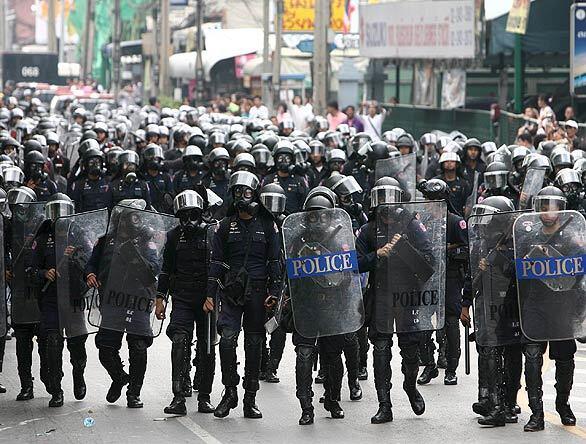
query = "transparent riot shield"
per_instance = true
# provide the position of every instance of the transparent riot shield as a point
(411, 273)
(532, 183)
(550, 260)
(496, 312)
(322, 270)
(130, 263)
(211, 322)
(402, 168)
(75, 238)
(3, 310)
(24, 290)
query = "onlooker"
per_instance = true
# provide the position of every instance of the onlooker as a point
(571, 132)
(545, 111)
(373, 120)
(335, 116)
(282, 112)
(353, 120)
(300, 113)
(258, 110)
(569, 113)
(525, 139)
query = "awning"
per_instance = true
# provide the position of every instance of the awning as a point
(220, 44)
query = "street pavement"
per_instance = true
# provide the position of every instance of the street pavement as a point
(448, 416)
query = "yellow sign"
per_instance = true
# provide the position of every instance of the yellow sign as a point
(518, 16)
(298, 15)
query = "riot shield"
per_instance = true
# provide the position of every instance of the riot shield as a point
(75, 238)
(550, 266)
(322, 270)
(24, 291)
(533, 182)
(3, 311)
(473, 198)
(212, 337)
(496, 313)
(410, 276)
(402, 168)
(130, 263)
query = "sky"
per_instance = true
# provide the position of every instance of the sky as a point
(495, 8)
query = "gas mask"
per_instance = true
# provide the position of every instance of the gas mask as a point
(244, 200)
(35, 172)
(191, 164)
(129, 168)
(153, 164)
(191, 220)
(219, 167)
(336, 165)
(283, 162)
(94, 167)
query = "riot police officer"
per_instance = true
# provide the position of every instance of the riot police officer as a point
(496, 183)
(192, 172)
(44, 270)
(184, 278)
(159, 182)
(457, 239)
(245, 258)
(126, 184)
(459, 187)
(295, 187)
(387, 191)
(36, 178)
(216, 179)
(92, 191)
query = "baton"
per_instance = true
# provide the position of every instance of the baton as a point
(467, 349)
(209, 334)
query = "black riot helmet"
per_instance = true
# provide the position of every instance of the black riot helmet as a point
(482, 214)
(31, 145)
(192, 158)
(346, 187)
(34, 162)
(284, 155)
(244, 162)
(153, 157)
(434, 189)
(405, 141)
(496, 175)
(320, 198)
(386, 190)
(580, 166)
(261, 155)
(59, 205)
(218, 160)
(336, 159)
(561, 159)
(358, 140)
(549, 198)
(273, 198)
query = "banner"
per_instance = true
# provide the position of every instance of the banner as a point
(578, 49)
(454, 88)
(418, 30)
(518, 16)
(298, 15)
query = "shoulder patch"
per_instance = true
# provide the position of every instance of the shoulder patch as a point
(462, 224)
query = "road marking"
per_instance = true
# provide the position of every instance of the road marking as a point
(198, 431)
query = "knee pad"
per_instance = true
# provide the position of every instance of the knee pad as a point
(253, 340)
(141, 343)
(305, 352)
(488, 352)
(381, 346)
(229, 338)
(533, 352)
(54, 339)
(180, 337)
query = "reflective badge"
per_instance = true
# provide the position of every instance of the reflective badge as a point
(462, 224)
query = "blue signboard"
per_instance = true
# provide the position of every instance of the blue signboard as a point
(550, 267)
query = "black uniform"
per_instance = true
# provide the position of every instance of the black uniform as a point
(184, 181)
(184, 277)
(90, 195)
(137, 189)
(161, 192)
(460, 189)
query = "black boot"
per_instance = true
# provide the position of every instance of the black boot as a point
(137, 360)
(180, 351)
(208, 369)
(333, 384)
(564, 378)
(355, 390)
(78, 360)
(271, 372)
(363, 373)
(253, 356)
(382, 380)
(442, 361)
(321, 373)
(2, 388)
(496, 415)
(177, 406)
(410, 367)
(482, 406)
(536, 421)
(110, 360)
(510, 406)
(230, 377)
(197, 374)
(305, 356)
(229, 401)
(385, 412)
(24, 359)
(352, 355)
(429, 372)
(55, 368)
(306, 411)
(450, 377)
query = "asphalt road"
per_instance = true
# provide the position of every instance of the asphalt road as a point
(448, 416)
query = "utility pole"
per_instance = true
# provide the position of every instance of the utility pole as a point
(164, 80)
(155, 53)
(52, 35)
(277, 53)
(266, 64)
(63, 31)
(320, 55)
(116, 49)
(199, 75)
(519, 73)
(2, 25)
(88, 40)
